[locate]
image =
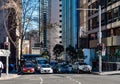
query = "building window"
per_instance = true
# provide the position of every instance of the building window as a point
(60, 42)
(88, 1)
(88, 24)
(116, 13)
(60, 36)
(60, 20)
(93, 36)
(115, 1)
(60, 10)
(60, 31)
(105, 33)
(93, 7)
(60, 5)
(88, 11)
(60, 26)
(109, 2)
(95, 22)
(117, 31)
(60, 15)
(103, 19)
(109, 16)
(102, 3)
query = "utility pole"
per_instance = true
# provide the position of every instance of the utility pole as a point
(99, 34)
(39, 21)
(99, 39)
(7, 47)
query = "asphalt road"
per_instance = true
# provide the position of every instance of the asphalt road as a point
(64, 79)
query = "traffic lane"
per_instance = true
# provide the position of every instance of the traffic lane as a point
(23, 79)
(96, 79)
(58, 79)
(42, 79)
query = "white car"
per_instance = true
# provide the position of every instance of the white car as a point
(46, 68)
(81, 67)
(85, 67)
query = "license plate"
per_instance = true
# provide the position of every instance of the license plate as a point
(28, 71)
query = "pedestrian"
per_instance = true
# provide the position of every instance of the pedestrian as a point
(1, 67)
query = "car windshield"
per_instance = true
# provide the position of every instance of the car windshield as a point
(69, 65)
(82, 64)
(45, 66)
(29, 65)
(42, 61)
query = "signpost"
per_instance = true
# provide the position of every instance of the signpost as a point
(99, 33)
(5, 53)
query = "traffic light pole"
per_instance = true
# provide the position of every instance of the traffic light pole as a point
(99, 39)
(7, 57)
(99, 34)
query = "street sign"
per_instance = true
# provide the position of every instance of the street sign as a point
(103, 52)
(99, 53)
(4, 52)
(99, 35)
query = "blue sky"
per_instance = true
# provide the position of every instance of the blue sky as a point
(32, 14)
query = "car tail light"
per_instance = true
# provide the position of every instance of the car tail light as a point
(32, 69)
(24, 69)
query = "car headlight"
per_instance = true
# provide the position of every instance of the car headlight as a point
(38, 67)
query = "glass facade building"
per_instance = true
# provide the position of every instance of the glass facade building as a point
(44, 19)
(69, 23)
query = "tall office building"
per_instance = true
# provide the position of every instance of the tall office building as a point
(110, 28)
(55, 32)
(83, 29)
(70, 23)
(44, 21)
(2, 29)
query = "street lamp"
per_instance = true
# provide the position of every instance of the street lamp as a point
(99, 33)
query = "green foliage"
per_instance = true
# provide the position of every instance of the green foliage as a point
(58, 49)
(80, 53)
(117, 53)
(46, 54)
(71, 52)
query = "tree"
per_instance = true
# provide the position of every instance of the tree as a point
(17, 17)
(71, 52)
(46, 55)
(80, 54)
(58, 49)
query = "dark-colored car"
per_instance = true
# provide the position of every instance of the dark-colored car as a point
(62, 68)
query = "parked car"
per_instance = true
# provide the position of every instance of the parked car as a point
(46, 68)
(40, 61)
(70, 68)
(53, 63)
(62, 68)
(28, 68)
(81, 67)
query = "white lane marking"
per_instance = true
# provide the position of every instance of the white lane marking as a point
(74, 80)
(41, 80)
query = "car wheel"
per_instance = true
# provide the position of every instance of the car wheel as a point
(78, 71)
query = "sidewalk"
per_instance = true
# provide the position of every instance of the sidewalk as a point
(9, 76)
(107, 73)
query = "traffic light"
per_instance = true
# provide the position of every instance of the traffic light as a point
(100, 46)
(6, 45)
